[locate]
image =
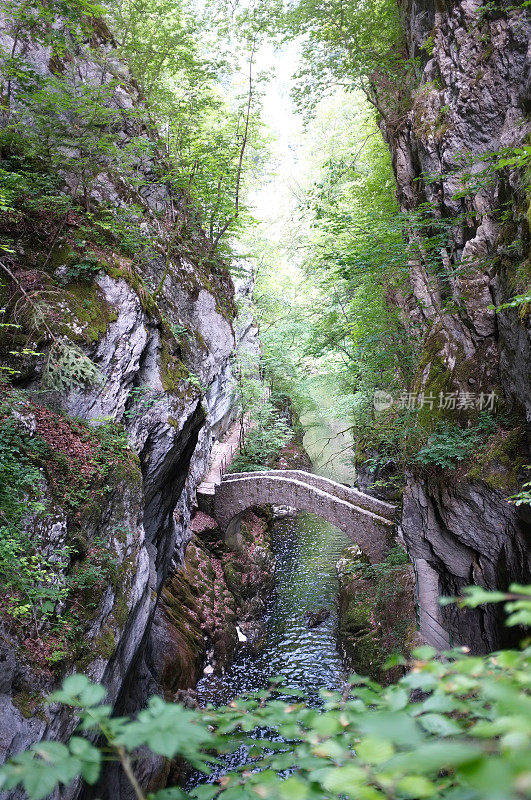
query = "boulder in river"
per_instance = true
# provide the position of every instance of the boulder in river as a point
(315, 618)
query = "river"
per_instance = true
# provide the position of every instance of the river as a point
(306, 548)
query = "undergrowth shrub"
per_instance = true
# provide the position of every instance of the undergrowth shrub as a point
(50, 462)
(455, 728)
(450, 443)
(26, 575)
(262, 442)
(67, 367)
(84, 270)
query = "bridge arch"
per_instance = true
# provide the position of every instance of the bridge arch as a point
(367, 521)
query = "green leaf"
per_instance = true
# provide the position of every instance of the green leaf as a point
(327, 724)
(342, 780)
(416, 786)
(97, 716)
(492, 777)
(75, 684)
(374, 750)
(434, 756)
(424, 653)
(89, 756)
(90, 772)
(474, 596)
(439, 725)
(397, 698)
(368, 793)
(168, 730)
(293, 788)
(396, 727)
(92, 694)
(394, 660)
(204, 792)
(39, 784)
(178, 794)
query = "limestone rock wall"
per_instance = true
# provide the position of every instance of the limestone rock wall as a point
(194, 632)
(157, 325)
(468, 101)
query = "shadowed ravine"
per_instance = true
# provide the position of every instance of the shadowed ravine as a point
(306, 549)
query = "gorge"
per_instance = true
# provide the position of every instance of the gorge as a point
(182, 261)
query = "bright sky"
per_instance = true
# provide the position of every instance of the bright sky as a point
(287, 130)
(274, 197)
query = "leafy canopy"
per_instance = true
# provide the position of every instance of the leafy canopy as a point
(350, 44)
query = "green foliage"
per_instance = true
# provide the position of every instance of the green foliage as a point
(480, 170)
(524, 496)
(67, 367)
(361, 249)
(121, 226)
(141, 399)
(450, 443)
(210, 130)
(81, 271)
(196, 382)
(263, 429)
(27, 574)
(263, 441)
(396, 557)
(517, 602)
(284, 306)
(61, 124)
(167, 729)
(455, 728)
(337, 316)
(359, 256)
(518, 300)
(356, 45)
(47, 587)
(99, 567)
(49, 764)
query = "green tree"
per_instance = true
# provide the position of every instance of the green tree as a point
(263, 430)
(351, 44)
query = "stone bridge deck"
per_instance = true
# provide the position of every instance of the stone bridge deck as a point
(369, 522)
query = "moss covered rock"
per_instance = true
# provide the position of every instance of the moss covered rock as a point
(376, 613)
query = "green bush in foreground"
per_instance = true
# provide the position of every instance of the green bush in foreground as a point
(457, 728)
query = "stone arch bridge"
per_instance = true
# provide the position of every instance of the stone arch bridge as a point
(369, 522)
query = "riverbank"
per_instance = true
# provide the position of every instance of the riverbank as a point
(376, 612)
(213, 600)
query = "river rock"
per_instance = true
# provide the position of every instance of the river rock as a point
(315, 618)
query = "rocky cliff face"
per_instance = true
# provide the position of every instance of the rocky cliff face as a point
(122, 379)
(449, 132)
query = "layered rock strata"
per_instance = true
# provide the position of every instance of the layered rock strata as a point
(454, 133)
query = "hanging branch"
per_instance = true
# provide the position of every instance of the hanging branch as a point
(239, 170)
(28, 298)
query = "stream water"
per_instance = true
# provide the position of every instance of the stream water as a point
(306, 548)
